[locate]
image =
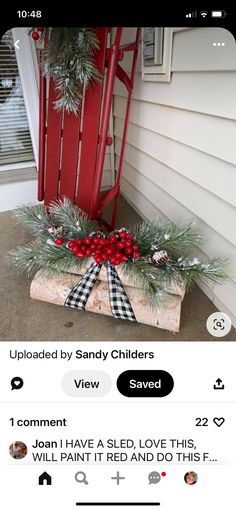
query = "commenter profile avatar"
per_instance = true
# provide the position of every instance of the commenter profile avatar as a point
(18, 450)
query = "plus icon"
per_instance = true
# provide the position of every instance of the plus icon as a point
(118, 478)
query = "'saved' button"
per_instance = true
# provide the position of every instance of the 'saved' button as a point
(145, 383)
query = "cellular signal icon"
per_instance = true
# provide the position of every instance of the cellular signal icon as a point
(204, 14)
(191, 14)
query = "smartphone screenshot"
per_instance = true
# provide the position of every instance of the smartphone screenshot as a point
(118, 259)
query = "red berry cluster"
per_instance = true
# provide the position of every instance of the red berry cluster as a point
(118, 247)
(36, 33)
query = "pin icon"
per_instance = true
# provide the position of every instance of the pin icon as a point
(17, 383)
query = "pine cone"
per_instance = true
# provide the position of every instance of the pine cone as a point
(160, 258)
(97, 233)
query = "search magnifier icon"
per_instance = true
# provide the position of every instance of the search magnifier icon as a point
(80, 477)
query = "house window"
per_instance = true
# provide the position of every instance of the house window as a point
(15, 140)
(156, 53)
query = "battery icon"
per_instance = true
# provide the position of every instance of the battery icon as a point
(218, 14)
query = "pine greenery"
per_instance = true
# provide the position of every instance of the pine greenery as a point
(161, 235)
(148, 278)
(210, 271)
(61, 216)
(64, 213)
(34, 218)
(69, 60)
(63, 219)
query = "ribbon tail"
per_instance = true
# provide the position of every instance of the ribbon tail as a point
(119, 301)
(79, 295)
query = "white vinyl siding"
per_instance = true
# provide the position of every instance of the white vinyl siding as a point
(180, 160)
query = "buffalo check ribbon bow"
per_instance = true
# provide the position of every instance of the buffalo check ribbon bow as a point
(119, 302)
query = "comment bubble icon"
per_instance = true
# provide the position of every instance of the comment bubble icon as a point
(17, 383)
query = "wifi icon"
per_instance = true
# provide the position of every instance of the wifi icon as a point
(203, 14)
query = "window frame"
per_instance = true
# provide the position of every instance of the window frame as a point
(28, 71)
(161, 73)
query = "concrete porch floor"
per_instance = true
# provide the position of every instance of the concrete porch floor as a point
(25, 319)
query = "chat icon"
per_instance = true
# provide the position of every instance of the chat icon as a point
(154, 477)
(17, 383)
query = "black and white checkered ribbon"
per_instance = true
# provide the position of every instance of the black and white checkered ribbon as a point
(79, 295)
(119, 302)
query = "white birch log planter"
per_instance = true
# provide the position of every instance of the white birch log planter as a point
(126, 281)
(55, 290)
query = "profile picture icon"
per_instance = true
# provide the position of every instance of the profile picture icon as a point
(190, 478)
(18, 450)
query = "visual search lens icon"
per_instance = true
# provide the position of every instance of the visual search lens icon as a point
(218, 324)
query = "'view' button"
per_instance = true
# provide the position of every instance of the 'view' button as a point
(86, 383)
(145, 383)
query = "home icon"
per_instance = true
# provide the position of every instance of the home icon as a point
(45, 479)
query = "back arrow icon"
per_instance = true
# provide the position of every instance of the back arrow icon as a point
(16, 44)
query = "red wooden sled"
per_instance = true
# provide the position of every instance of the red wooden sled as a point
(71, 148)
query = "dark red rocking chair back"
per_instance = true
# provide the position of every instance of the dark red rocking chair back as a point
(72, 149)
